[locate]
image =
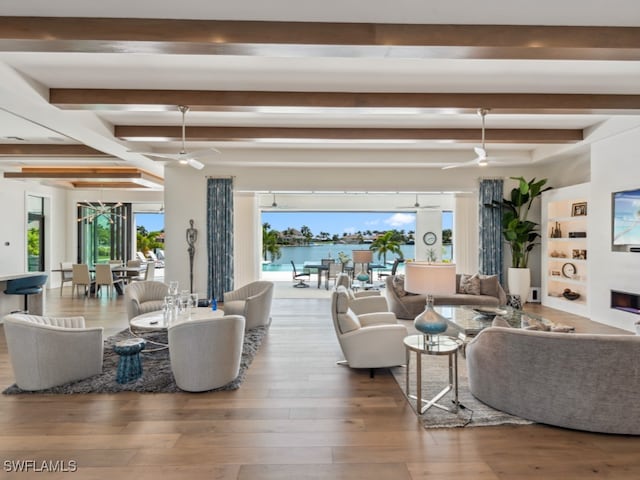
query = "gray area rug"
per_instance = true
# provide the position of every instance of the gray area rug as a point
(435, 377)
(156, 377)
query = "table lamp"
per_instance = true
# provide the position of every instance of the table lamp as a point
(362, 257)
(430, 279)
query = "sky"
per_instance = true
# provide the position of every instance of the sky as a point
(346, 222)
(153, 222)
(331, 222)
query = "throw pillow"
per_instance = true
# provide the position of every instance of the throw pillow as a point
(398, 285)
(489, 285)
(470, 284)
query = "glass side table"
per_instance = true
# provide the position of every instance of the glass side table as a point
(442, 346)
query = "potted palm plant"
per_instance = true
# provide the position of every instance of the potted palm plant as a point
(520, 233)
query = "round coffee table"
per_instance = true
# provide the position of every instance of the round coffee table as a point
(155, 322)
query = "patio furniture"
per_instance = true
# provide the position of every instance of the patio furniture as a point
(300, 277)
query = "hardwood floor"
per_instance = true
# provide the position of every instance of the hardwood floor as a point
(297, 416)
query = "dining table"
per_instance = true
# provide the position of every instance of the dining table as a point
(122, 271)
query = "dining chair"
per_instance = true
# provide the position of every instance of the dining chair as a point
(104, 277)
(81, 277)
(66, 274)
(334, 270)
(134, 275)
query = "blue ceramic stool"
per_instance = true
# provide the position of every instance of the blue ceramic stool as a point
(130, 365)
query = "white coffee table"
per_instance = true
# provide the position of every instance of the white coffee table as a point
(154, 322)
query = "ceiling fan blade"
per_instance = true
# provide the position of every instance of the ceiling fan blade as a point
(192, 162)
(480, 151)
(463, 164)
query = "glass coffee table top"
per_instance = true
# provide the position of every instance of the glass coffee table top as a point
(468, 320)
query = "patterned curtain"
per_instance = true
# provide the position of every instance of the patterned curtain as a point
(220, 236)
(490, 219)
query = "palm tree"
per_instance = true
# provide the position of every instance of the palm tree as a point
(386, 244)
(270, 243)
(306, 233)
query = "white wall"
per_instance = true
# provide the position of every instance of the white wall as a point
(614, 167)
(185, 198)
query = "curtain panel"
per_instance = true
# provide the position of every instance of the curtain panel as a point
(490, 223)
(220, 236)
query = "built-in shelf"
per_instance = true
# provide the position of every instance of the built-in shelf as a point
(557, 208)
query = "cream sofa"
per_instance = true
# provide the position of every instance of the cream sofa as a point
(580, 381)
(408, 305)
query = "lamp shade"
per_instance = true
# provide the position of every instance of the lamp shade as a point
(362, 256)
(430, 278)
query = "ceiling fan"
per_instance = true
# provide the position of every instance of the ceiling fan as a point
(184, 157)
(418, 205)
(482, 158)
(274, 203)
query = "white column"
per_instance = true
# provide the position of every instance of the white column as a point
(428, 221)
(465, 233)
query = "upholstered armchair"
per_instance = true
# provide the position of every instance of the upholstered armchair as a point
(370, 340)
(205, 354)
(252, 301)
(143, 297)
(366, 301)
(47, 351)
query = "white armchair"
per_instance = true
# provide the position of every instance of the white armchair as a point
(205, 354)
(366, 301)
(47, 351)
(252, 301)
(143, 297)
(369, 340)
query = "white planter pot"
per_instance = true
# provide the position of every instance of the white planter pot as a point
(519, 282)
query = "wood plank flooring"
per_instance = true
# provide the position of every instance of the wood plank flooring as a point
(298, 415)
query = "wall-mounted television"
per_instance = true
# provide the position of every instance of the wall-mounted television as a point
(626, 219)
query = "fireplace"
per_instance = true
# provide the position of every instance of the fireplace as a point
(627, 302)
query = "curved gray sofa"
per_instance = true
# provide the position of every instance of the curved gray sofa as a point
(579, 381)
(409, 306)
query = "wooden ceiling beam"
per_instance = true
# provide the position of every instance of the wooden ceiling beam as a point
(48, 150)
(194, 133)
(203, 100)
(226, 37)
(97, 174)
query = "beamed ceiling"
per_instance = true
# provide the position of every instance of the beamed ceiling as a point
(90, 91)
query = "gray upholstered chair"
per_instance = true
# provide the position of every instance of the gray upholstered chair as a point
(143, 297)
(205, 354)
(81, 277)
(104, 278)
(47, 351)
(370, 340)
(252, 301)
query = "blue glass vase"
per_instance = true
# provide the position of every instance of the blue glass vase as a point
(430, 323)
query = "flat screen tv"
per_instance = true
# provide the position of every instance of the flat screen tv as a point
(626, 218)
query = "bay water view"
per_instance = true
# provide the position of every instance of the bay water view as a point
(316, 252)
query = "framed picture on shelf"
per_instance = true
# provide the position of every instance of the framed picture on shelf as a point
(578, 209)
(578, 254)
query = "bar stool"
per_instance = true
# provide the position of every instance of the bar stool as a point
(26, 286)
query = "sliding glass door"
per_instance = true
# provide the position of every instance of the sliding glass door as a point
(104, 232)
(35, 234)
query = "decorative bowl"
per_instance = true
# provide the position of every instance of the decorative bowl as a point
(489, 312)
